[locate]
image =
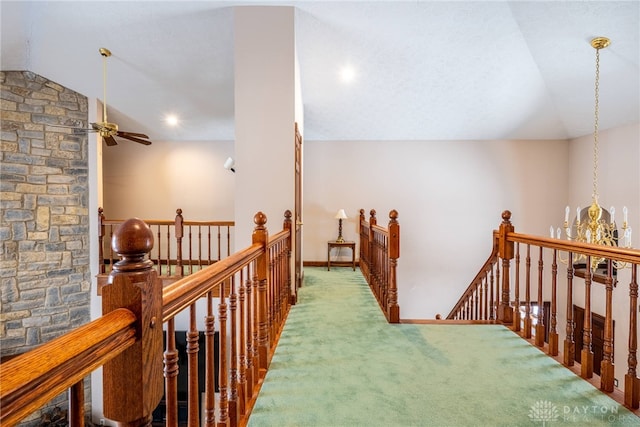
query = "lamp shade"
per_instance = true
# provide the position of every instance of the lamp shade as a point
(341, 214)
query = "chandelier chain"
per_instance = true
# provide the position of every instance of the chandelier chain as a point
(595, 126)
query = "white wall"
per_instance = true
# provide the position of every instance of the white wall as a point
(151, 182)
(265, 112)
(449, 196)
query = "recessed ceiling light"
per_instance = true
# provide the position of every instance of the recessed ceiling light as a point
(347, 74)
(172, 120)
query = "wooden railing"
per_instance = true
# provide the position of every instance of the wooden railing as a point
(254, 287)
(538, 318)
(379, 253)
(181, 247)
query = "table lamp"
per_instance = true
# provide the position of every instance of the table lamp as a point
(340, 216)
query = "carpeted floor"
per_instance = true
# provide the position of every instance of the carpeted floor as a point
(339, 363)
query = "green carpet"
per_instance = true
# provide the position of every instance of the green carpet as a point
(339, 363)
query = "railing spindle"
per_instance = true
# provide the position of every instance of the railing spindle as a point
(553, 330)
(569, 341)
(606, 366)
(631, 382)
(540, 329)
(586, 357)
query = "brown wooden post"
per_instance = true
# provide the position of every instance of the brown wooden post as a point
(526, 328)
(102, 268)
(76, 405)
(373, 273)
(394, 254)
(569, 341)
(631, 382)
(505, 251)
(553, 326)
(516, 315)
(540, 326)
(586, 356)
(606, 366)
(132, 381)
(292, 295)
(179, 234)
(261, 235)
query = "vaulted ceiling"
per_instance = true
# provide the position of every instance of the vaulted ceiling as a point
(423, 70)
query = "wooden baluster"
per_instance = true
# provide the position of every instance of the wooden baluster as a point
(553, 331)
(190, 251)
(476, 305)
(487, 310)
(132, 381)
(292, 290)
(159, 249)
(540, 318)
(606, 366)
(209, 257)
(252, 330)
(168, 257)
(394, 254)
(171, 375)
(498, 289)
(569, 341)
(516, 314)
(223, 375)
(586, 357)
(631, 382)
(101, 264)
(210, 368)
(481, 295)
(492, 306)
(505, 251)
(527, 325)
(372, 249)
(242, 358)
(193, 346)
(76, 405)
(199, 247)
(261, 235)
(235, 398)
(179, 224)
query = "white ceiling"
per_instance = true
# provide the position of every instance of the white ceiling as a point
(426, 70)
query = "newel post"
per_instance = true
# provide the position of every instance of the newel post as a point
(132, 381)
(394, 254)
(505, 251)
(261, 235)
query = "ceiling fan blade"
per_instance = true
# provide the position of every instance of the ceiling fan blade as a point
(110, 140)
(137, 135)
(133, 138)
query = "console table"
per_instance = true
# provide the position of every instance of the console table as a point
(333, 244)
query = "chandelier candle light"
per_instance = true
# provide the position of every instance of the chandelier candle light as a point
(594, 227)
(340, 216)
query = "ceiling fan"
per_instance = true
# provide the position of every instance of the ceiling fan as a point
(108, 131)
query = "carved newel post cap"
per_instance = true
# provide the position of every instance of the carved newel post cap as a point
(260, 219)
(506, 215)
(132, 240)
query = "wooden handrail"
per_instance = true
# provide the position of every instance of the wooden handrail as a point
(379, 253)
(175, 244)
(32, 379)
(508, 301)
(254, 295)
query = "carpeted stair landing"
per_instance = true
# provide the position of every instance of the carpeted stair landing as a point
(339, 363)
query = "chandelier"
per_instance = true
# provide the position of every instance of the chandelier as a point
(594, 224)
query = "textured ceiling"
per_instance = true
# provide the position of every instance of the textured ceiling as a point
(425, 70)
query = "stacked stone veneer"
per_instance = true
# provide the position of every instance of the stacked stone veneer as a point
(45, 277)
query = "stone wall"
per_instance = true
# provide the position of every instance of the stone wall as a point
(45, 278)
